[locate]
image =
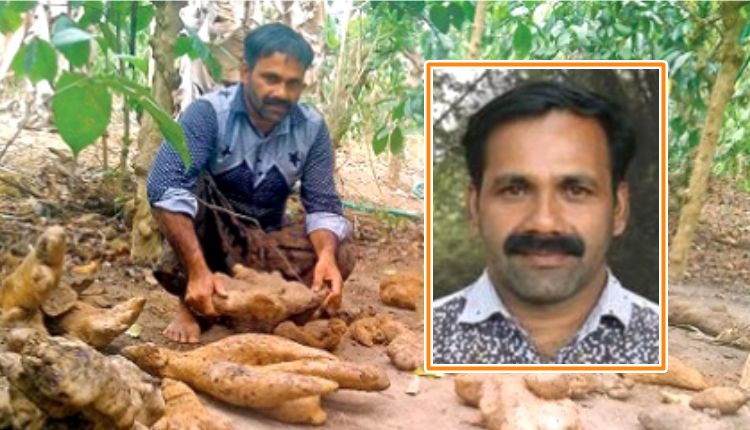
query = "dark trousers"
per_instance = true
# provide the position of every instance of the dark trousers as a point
(227, 239)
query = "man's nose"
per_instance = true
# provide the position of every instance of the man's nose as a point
(280, 92)
(545, 216)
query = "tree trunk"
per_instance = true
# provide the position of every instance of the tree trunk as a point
(478, 30)
(338, 101)
(146, 240)
(723, 88)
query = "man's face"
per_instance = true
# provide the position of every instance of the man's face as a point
(546, 210)
(273, 85)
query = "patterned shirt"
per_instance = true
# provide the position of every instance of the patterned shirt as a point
(473, 326)
(256, 173)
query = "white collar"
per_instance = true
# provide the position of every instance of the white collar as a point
(482, 301)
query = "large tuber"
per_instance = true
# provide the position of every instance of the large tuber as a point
(28, 286)
(64, 377)
(184, 411)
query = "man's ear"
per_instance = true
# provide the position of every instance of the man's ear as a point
(244, 71)
(472, 206)
(621, 209)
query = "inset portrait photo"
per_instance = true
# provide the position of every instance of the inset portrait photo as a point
(546, 236)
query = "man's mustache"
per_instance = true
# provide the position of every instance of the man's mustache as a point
(526, 243)
(273, 101)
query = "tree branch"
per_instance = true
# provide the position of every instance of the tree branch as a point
(469, 89)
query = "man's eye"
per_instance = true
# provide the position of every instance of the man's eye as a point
(513, 190)
(272, 79)
(578, 191)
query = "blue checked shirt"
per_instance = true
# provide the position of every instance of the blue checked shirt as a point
(256, 173)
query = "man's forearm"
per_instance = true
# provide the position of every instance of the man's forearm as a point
(180, 232)
(324, 242)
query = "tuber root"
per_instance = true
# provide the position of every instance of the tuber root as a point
(28, 286)
(266, 297)
(379, 329)
(305, 410)
(506, 404)
(355, 376)
(96, 326)
(401, 290)
(405, 351)
(230, 382)
(670, 417)
(679, 375)
(554, 386)
(468, 387)
(323, 334)
(34, 290)
(63, 376)
(726, 400)
(271, 374)
(184, 411)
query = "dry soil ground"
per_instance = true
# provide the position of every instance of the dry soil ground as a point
(98, 234)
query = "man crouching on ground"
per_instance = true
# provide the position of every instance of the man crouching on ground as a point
(249, 144)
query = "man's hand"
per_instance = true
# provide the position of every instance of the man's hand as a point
(327, 272)
(200, 291)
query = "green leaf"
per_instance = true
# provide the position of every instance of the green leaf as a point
(195, 48)
(119, 7)
(414, 8)
(622, 29)
(92, 13)
(745, 33)
(169, 128)
(522, 40)
(182, 46)
(397, 141)
(199, 47)
(213, 66)
(502, 11)
(70, 36)
(110, 40)
(139, 63)
(81, 110)
(678, 62)
(456, 13)
(73, 42)
(380, 140)
(144, 15)
(9, 20)
(10, 14)
(37, 60)
(125, 86)
(398, 111)
(22, 6)
(440, 16)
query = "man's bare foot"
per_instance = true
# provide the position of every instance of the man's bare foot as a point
(183, 328)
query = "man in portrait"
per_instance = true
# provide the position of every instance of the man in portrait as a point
(547, 163)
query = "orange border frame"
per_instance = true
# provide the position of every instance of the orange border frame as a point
(663, 67)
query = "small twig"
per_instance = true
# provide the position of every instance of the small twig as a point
(372, 169)
(21, 124)
(12, 217)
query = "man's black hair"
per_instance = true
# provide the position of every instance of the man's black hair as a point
(535, 99)
(271, 38)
